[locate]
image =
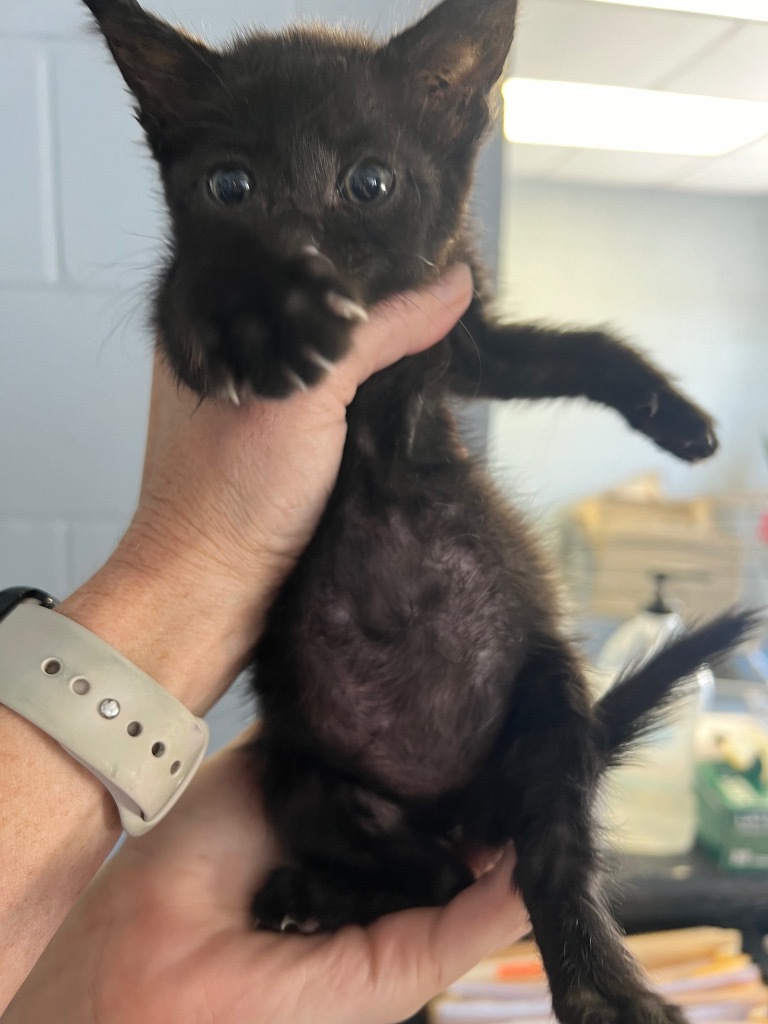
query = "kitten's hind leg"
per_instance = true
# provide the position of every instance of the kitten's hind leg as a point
(592, 977)
(537, 790)
(508, 361)
(352, 854)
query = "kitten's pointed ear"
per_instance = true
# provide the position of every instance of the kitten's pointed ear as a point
(167, 71)
(454, 56)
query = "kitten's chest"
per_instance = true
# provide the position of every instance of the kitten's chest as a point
(407, 638)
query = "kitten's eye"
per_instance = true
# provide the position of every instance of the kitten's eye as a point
(230, 187)
(368, 182)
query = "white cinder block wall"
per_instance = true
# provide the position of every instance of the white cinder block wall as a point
(683, 276)
(80, 230)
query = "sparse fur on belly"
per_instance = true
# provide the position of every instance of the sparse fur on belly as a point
(409, 629)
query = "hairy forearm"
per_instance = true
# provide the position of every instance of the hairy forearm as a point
(229, 499)
(57, 822)
(172, 613)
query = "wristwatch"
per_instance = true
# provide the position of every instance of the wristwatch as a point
(141, 742)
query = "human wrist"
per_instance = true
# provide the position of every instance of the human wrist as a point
(176, 616)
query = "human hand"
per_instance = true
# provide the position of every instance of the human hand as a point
(162, 935)
(246, 487)
(230, 497)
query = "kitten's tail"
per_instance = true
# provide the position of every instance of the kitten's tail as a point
(638, 702)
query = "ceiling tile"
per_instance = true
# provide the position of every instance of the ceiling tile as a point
(736, 68)
(745, 171)
(575, 40)
(524, 161)
(619, 168)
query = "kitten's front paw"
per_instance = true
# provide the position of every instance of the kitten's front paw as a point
(675, 424)
(267, 332)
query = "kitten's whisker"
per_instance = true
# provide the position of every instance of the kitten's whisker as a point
(411, 301)
(495, 577)
(417, 190)
(463, 326)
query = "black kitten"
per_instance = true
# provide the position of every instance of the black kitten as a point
(418, 696)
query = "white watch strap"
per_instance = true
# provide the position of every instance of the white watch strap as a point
(142, 743)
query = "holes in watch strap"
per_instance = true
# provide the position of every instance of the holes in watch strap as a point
(134, 729)
(51, 666)
(175, 767)
(158, 749)
(80, 686)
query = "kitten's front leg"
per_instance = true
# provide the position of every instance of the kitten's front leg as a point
(525, 361)
(254, 323)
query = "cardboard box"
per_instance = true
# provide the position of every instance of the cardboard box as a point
(612, 545)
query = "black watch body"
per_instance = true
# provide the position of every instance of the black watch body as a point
(15, 595)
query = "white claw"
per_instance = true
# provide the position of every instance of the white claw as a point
(196, 355)
(231, 391)
(344, 307)
(308, 927)
(310, 250)
(300, 383)
(314, 356)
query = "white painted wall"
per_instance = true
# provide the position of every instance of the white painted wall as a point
(686, 278)
(80, 231)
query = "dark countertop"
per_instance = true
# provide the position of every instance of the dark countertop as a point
(658, 893)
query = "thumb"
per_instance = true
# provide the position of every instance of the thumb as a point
(410, 322)
(413, 955)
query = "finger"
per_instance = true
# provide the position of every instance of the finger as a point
(410, 322)
(412, 956)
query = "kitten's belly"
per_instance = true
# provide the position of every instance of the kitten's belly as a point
(409, 642)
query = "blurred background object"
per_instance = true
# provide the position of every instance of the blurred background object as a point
(704, 970)
(585, 217)
(671, 250)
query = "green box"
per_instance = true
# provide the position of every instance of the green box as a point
(733, 816)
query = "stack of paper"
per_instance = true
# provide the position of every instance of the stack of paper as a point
(703, 970)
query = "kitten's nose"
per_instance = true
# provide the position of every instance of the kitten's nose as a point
(291, 233)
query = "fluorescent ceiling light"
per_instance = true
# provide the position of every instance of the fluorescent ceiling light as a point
(637, 120)
(748, 10)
